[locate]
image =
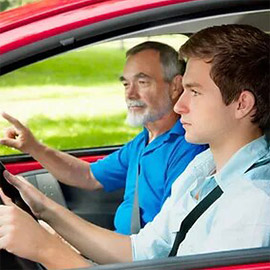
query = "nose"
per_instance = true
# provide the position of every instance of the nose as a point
(182, 105)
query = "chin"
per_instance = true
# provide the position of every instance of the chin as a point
(193, 139)
(134, 120)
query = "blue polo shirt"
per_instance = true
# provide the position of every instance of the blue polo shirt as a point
(160, 161)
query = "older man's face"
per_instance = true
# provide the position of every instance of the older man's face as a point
(147, 94)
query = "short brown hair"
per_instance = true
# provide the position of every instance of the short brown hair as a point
(239, 55)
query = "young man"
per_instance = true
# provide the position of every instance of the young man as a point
(225, 103)
(152, 79)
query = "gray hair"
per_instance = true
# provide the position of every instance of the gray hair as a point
(169, 60)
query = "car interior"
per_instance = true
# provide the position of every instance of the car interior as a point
(98, 206)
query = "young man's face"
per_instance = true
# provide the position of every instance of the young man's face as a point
(146, 92)
(204, 115)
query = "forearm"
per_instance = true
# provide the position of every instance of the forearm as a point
(66, 168)
(56, 254)
(98, 244)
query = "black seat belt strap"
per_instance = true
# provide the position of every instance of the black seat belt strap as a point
(193, 216)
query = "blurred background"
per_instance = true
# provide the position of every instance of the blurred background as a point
(8, 4)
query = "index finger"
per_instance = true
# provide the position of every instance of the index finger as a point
(12, 120)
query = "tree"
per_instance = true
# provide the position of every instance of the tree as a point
(7, 4)
(4, 4)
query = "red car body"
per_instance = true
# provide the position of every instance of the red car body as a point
(51, 17)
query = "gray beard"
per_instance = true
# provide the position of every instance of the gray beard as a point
(141, 119)
(136, 119)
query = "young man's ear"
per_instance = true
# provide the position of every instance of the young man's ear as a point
(245, 105)
(176, 87)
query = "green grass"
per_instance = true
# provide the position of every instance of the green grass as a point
(91, 66)
(70, 101)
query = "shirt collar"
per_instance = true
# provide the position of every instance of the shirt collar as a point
(242, 161)
(176, 129)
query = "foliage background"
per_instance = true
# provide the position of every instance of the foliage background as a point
(73, 100)
(8, 4)
(70, 101)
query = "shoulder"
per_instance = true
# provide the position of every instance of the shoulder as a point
(248, 194)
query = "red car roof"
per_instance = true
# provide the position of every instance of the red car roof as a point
(36, 21)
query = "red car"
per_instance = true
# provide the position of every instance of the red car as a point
(48, 28)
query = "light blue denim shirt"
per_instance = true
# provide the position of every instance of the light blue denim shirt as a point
(239, 219)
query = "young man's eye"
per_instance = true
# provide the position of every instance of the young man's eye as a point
(194, 93)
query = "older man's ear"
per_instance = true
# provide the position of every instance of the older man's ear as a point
(176, 88)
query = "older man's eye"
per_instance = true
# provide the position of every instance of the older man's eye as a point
(125, 84)
(143, 82)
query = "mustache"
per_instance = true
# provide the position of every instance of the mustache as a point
(133, 103)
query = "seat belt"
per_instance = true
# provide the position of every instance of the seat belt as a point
(136, 217)
(193, 216)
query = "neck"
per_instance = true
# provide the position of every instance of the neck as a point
(226, 148)
(161, 126)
